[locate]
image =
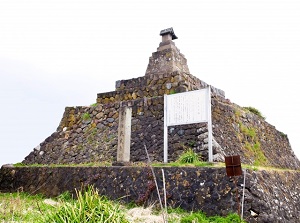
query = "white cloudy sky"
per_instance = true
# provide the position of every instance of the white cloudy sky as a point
(57, 53)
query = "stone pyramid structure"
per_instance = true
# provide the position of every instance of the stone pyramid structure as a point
(90, 134)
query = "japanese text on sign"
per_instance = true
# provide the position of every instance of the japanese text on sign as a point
(187, 108)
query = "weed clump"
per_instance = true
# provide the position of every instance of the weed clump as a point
(189, 156)
(86, 116)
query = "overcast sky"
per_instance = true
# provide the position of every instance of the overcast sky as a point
(60, 53)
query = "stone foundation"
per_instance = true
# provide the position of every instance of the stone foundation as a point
(273, 196)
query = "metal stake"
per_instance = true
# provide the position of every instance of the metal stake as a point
(243, 198)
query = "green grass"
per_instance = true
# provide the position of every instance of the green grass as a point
(253, 146)
(259, 157)
(248, 131)
(200, 217)
(94, 104)
(156, 164)
(177, 164)
(22, 207)
(88, 207)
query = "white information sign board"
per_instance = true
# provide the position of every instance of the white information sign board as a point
(188, 108)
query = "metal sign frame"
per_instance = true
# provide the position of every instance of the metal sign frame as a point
(195, 118)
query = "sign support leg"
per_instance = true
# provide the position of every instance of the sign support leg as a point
(165, 131)
(209, 127)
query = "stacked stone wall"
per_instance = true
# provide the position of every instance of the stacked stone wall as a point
(239, 131)
(90, 134)
(154, 85)
(85, 134)
(270, 196)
